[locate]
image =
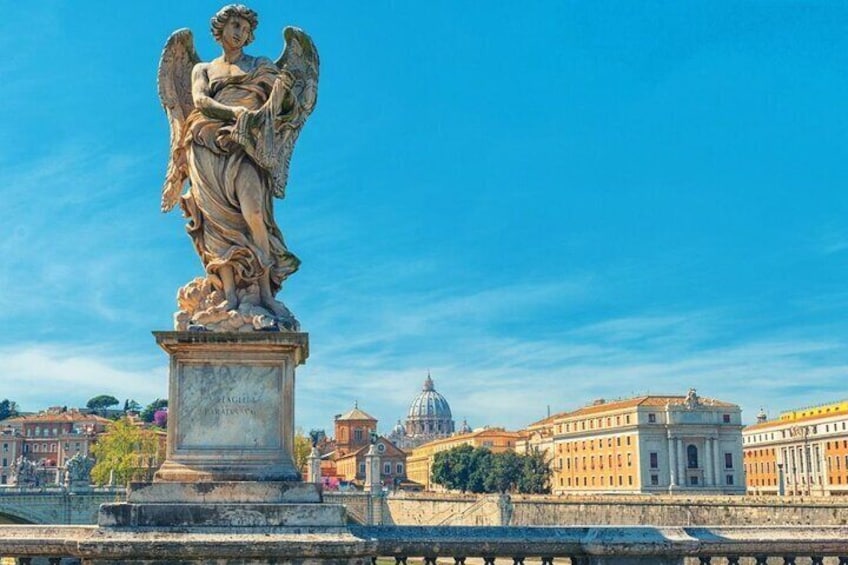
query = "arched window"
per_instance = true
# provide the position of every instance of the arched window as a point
(692, 456)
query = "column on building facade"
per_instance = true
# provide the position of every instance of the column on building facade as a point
(717, 462)
(681, 462)
(824, 479)
(709, 474)
(672, 462)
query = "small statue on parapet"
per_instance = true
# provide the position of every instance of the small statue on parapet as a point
(78, 472)
(234, 122)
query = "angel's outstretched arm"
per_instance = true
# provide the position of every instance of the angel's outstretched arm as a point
(205, 103)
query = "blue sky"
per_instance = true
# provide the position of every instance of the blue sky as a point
(541, 203)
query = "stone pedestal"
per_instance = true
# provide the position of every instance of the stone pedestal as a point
(231, 405)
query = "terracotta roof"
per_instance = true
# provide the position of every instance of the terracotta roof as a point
(58, 417)
(659, 401)
(788, 423)
(356, 414)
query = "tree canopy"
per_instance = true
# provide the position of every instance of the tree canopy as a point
(477, 469)
(150, 410)
(8, 409)
(102, 401)
(128, 451)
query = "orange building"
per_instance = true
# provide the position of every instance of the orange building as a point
(353, 430)
(420, 461)
(351, 467)
(49, 438)
(802, 452)
(647, 444)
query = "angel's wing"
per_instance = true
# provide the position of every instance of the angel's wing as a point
(175, 67)
(300, 59)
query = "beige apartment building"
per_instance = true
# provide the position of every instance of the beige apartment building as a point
(647, 444)
(420, 462)
(803, 452)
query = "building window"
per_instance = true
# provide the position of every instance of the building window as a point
(728, 480)
(652, 418)
(5, 462)
(5, 447)
(728, 461)
(693, 481)
(387, 468)
(629, 459)
(725, 418)
(357, 435)
(399, 469)
(692, 457)
(655, 480)
(655, 464)
(362, 468)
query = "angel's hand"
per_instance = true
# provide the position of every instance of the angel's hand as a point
(238, 111)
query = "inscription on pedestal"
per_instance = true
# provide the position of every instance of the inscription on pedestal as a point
(231, 406)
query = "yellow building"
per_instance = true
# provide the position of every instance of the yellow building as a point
(648, 444)
(802, 452)
(420, 461)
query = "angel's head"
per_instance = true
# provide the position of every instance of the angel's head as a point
(227, 13)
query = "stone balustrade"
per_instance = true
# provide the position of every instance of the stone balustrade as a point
(358, 544)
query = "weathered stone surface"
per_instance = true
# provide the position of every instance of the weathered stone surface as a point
(164, 516)
(232, 144)
(231, 406)
(225, 492)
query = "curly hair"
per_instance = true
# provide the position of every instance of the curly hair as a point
(220, 19)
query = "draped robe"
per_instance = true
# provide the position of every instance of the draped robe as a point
(219, 168)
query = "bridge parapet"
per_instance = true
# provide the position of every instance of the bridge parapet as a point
(635, 545)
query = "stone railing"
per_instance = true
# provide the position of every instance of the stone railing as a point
(358, 544)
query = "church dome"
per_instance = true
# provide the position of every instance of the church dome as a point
(429, 404)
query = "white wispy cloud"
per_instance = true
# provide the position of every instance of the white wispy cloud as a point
(41, 375)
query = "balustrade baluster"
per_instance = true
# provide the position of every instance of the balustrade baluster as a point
(788, 560)
(459, 560)
(732, 560)
(547, 561)
(518, 560)
(400, 559)
(705, 560)
(817, 559)
(489, 560)
(430, 560)
(761, 559)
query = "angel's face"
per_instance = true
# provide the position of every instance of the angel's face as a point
(235, 33)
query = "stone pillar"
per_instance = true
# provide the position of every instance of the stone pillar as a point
(231, 405)
(781, 487)
(709, 471)
(313, 463)
(672, 462)
(372, 470)
(681, 463)
(717, 462)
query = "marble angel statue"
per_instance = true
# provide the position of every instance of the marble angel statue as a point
(234, 122)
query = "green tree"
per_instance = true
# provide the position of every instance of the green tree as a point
(505, 469)
(8, 409)
(452, 468)
(480, 468)
(131, 405)
(101, 401)
(535, 477)
(127, 451)
(302, 449)
(150, 410)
